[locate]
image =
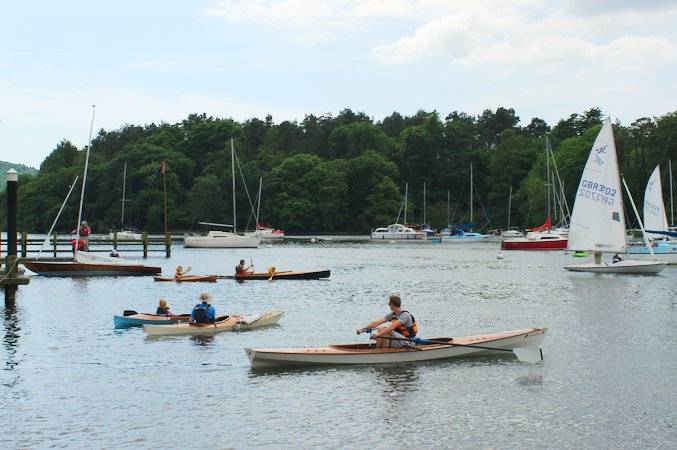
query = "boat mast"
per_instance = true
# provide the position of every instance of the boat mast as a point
(547, 173)
(424, 221)
(84, 182)
(406, 192)
(232, 167)
(258, 203)
(124, 187)
(471, 199)
(447, 209)
(641, 225)
(672, 212)
(509, 204)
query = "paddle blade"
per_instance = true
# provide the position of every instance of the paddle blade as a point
(529, 354)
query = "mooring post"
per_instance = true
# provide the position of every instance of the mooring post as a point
(10, 280)
(54, 241)
(168, 244)
(24, 244)
(145, 244)
(115, 240)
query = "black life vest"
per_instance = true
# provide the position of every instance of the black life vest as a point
(201, 313)
(409, 332)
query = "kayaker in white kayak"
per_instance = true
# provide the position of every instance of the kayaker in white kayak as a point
(203, 313)
(402, 325)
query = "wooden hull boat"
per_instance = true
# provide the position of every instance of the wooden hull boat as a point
(225, 323)
(285, 275)
(221, 239)
(76, 269)
(625, 266)
(140, 319)
(189, 278)
(362, 354)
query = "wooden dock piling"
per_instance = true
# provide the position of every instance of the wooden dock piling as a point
(10, 279)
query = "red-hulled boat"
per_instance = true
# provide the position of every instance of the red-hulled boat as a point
(538, 238)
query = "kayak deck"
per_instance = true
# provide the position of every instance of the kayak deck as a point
(223, 323)
(283, 275)
(189, 278)
(344, 354)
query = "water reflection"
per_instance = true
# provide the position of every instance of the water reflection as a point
(202, 340)
(11, 341)
(397, 381)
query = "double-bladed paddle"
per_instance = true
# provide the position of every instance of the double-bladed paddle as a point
(524, 354)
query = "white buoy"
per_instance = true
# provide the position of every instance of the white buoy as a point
(312, 240)
(499, 255)
(269, 246)
(392, 242)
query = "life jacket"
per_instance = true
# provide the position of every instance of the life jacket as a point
(161, 310)
(409, 332)
(201, 313)
(239, 269)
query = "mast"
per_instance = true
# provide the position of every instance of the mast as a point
(258, 203)
(672, 212)
(84, 182)
(164, 193)
(641, 225)
(471, 199)
(424, 221)
(232, 167)
(406, 192)
(124, 187)
(547, 173)
(447, 210)
(509, 204)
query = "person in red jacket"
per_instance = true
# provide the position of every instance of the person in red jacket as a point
(85, 231)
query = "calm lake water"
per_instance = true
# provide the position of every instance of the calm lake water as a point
(609, 378)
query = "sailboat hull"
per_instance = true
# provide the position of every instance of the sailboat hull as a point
(222, 242)
(625, 267)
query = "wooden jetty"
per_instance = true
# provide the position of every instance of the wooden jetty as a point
(10, 279)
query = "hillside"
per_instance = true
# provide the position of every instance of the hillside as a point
(5, 166)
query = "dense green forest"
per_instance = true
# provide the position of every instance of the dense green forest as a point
(343, 173)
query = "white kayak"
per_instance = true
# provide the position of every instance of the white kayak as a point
(227, 323)
(344, 354)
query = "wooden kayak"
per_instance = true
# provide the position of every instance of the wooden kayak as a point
(189, 278)
(75, 269)
(284, 275)
(140, 319)
(225, 323)
(345, 354)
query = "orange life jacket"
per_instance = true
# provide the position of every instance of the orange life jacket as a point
(409, 332)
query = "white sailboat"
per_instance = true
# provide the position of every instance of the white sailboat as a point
(655, 219)
(224, 239)
(397, 231)
(597, 222)
(125, 234)
(265, 233)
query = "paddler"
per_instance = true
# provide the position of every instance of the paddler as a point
(180, 272)
(163, 309)
(203, 312)
(240, 269)
(402, 326)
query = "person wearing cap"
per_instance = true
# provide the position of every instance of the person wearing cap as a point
(397, 333)
(203, 312)
(163, 309)
(240, 269)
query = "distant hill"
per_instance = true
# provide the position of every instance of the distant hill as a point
(5, 166)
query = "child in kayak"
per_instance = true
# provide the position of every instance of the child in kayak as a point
(163, 309)
(180, 272)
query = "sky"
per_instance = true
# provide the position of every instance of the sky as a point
(158, 61)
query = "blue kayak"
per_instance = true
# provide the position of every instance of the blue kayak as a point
(139, 319)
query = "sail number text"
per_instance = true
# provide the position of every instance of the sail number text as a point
(597, 192)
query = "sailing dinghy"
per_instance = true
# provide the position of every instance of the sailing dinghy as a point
(597, 222)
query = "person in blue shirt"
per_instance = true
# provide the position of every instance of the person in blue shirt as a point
(203, 312)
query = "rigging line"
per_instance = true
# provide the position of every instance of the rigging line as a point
(458, 201)
(400, 211)
(237, 160)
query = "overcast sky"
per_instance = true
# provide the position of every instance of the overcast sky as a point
(152, 61)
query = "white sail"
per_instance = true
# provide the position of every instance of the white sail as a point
(597, 222)
(654, 209)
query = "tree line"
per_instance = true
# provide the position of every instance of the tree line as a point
(335, 174)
